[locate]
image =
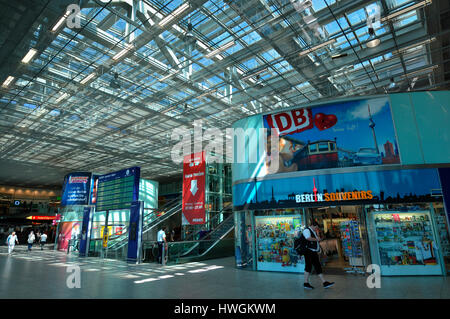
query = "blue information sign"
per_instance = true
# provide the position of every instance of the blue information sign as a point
(76, 189)
(135, 232)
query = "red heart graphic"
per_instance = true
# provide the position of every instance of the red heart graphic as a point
(324, 122)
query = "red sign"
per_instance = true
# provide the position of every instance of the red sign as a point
(42, 217)
(289, 122)
(194, 189)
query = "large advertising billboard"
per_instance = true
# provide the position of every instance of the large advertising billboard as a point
(344, 134)
(76, 189)
(194, 189)
(387, 186)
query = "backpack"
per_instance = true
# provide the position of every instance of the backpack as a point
(301, 245)
(7, 239)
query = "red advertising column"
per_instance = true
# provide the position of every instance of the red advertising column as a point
(194, 189)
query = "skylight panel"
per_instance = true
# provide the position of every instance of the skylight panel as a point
(29, 106)
(251, 38)
(54, 112)
(407, 18)
(205, 62)
(332, 28)
(318, 5)
(357, 16)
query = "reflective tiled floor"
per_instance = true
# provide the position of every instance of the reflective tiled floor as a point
(43, 274)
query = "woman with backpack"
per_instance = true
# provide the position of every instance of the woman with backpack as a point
(311, 253)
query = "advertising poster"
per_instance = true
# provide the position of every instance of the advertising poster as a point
(388, 186)
(76, 189)
(346, 134)
(94, 188)
(194, 189)
(68, 230)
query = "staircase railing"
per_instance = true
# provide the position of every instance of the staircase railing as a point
(212, 238)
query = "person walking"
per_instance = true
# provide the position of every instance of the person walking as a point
(311, 234)
(161, 239)
(43, 240)
(31, 239)
(11, 241)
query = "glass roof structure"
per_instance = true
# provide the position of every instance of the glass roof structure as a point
(102, 86)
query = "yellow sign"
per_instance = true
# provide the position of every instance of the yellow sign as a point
(105, 235)
(105, 240)
(102, 230)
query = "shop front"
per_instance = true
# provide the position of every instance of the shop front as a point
(403, 231)
(349, 166)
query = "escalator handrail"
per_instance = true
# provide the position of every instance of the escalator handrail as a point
(218, 227)
(163, 217)
(149, 225)
(224, 209)
(167, 206)
(208, 236)
(173, 203)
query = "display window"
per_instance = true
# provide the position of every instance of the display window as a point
(275, 243)
(406, 243)
(443, 232)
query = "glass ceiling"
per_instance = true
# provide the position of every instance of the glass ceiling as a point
(108, 94)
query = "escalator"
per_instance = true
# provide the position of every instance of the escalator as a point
(118, 244)
(215, 244)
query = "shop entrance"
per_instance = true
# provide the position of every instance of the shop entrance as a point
(345, 248)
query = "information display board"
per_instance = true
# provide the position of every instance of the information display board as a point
(118, 190)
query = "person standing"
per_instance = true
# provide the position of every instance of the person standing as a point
(312, 256)
(31, 239)
(43, 240)
(11, 241)
(161, 239)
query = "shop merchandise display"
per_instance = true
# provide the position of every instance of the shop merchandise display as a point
(351, 244)
(351, 239)
(405, 239)
(443, 231)
(275, 240)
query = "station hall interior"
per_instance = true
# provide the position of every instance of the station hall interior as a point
(155, 138)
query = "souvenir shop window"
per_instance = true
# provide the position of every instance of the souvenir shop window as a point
(275, 243)
(406, 240)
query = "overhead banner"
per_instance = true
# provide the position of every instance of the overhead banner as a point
(194, 189)
(76, 189)
(345, 134)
